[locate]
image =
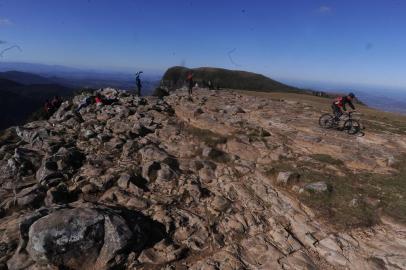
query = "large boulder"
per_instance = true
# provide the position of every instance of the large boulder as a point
(287, 178)
(39, 136)
(27, 158)
(317, 187)
(69, 158)
(64, 112)
(48, 173)
(86, 237)
(30, 196)
(24, 162)
(118, 127)
(31, 135)
(69, 237)
(234, 109)
(55, 168)
(152, 153)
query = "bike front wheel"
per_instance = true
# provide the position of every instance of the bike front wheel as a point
(326, 120)
(352, 126)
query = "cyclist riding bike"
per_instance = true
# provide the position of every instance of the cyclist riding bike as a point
(339, 104)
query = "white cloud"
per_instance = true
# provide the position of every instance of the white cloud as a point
(5, 21)
(324, 9)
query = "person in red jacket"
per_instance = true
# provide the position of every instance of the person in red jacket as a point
(98, 100)
(339, 104)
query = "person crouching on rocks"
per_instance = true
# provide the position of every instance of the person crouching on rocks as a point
(47, 106)
(86, 101)
(99, 100)
(56, 102)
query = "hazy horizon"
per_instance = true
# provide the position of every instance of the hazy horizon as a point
(301, 83)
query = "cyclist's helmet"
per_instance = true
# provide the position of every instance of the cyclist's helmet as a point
(351, 95)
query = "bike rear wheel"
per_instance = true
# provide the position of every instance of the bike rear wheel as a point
(326, 120)
(352, 126)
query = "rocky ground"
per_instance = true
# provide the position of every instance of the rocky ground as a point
(222, 181)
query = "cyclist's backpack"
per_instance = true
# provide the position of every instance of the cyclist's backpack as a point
(339, 101)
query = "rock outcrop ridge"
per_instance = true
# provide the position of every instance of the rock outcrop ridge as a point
(148, 183)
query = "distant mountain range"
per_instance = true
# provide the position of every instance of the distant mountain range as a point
(391, 102)
(79, 78)
(37, 68)
(14, 108)
(25, 77)
(18, 100)
(22, 93)
(382, 99)
(175, 77)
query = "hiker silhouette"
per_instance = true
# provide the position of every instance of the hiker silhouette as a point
(138, 82)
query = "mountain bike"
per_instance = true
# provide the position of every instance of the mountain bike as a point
(351, 125)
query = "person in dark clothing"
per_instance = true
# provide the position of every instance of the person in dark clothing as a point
(56, 102)
(109, 101)
(86, 101)
(138, 83)
(60, 100)
(189, 80)
(339, 105)
(210, 84)
(47, 106)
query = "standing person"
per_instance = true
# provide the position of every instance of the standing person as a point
(189, 79)
(138, 83)
(210, 84)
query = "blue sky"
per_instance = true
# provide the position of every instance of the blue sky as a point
(346, 43)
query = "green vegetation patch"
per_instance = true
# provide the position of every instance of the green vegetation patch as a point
(355, 200)
(342, 204)
(389, 191)
(326, 159)
(209, 137)
(394, 124)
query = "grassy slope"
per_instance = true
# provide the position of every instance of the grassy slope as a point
(374, 120)
(175, 78)
(374, 194)
(356, 200)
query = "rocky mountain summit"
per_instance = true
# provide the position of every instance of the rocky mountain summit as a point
(224, 180)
